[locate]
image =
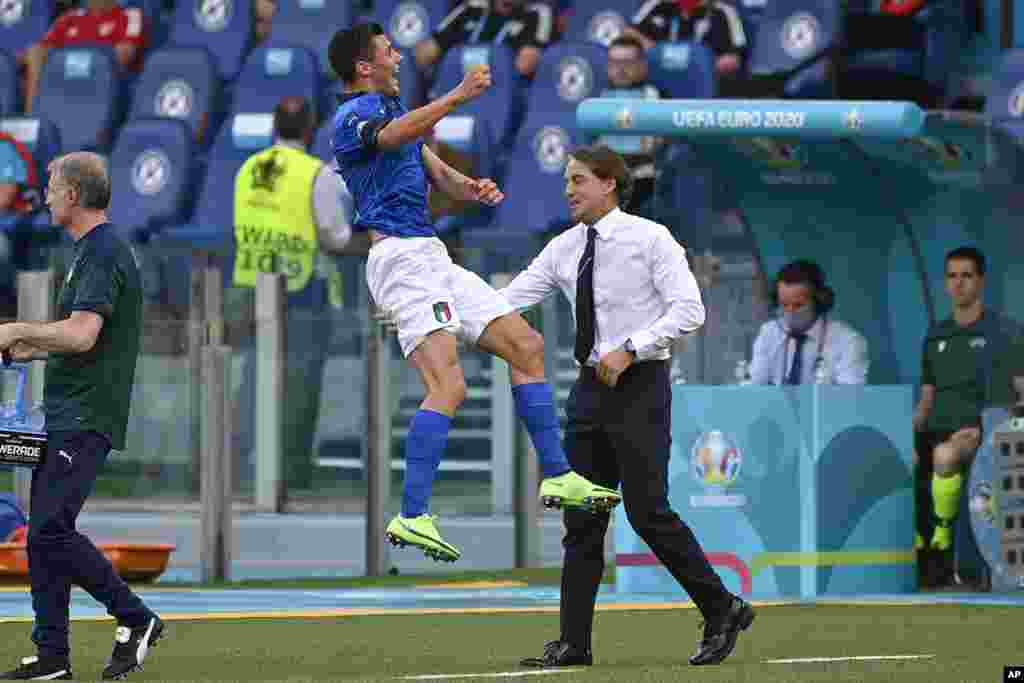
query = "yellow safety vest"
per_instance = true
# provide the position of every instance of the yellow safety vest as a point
(275, 229)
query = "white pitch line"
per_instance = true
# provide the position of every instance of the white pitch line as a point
(504, 674)
(867, 658)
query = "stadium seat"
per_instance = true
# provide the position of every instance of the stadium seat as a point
(1005, 102)
(156, 22)
(150, 169)
(178, 83)
(271, 73)
(78, 91)
(23, 23)
(499, 105)
(568, 74)
(600, 22)
(225, 28)
(212, 224)
(683, 70)
(792, 36)
(9, 103)
(533, 183)
(310, 24)
(407, 22)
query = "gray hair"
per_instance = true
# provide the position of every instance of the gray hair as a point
(87, 173)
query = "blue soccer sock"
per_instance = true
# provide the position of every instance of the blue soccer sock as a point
(428, 436)
(535, 405)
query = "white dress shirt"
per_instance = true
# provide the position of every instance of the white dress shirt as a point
(843, 352)
(643, 288)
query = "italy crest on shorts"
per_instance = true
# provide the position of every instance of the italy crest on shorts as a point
(442, 312)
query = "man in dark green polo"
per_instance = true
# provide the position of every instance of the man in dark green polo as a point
(956, 373)
(90, 353)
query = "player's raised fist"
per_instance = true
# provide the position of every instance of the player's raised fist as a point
(474, 83)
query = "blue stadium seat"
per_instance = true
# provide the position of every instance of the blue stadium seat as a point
(23, 23)
(500, 105)
(471, 136)
(683, 70)
(271, 73)
(533, 184)
(156, 22)
(150, 169)
(1005, 102)
(792, 36)
(310, 24)
(225, 28)
(212, 224)
(407, 22)
(568, 74)
(600, 22)
(178, 83)
(9, 103)
(78, 91)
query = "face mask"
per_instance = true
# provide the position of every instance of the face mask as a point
(800, 320)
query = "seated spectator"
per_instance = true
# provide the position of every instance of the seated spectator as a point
(101, 22)
(526, 28)
(627, 76)
(19, 180)
(714, 23)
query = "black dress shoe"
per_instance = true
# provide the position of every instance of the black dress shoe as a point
(560, 653)
(721, 633)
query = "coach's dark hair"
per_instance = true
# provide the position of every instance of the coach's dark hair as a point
(970, 254)
(809, 273)
(88, 175)
(605, 164)
(628, 41)
(351, 45)
(293, 118)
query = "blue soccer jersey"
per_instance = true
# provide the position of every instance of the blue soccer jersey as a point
(389, 186)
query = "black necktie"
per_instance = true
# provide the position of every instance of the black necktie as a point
(585, 316)
(798, 359)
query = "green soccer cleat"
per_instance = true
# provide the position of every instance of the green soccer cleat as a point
(423, 534)
(918, 542)
(942, 539)
(570, 490)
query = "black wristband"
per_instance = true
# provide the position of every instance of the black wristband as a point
(5, 355)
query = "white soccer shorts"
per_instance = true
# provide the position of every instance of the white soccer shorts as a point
(416, 280)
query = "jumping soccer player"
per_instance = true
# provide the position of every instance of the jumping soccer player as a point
(386, 167)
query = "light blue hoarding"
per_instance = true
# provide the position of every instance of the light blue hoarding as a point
(792, 491)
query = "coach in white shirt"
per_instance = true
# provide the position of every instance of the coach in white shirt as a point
(632, 295)
(806, 343)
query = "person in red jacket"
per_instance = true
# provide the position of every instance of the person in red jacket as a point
(100, 22)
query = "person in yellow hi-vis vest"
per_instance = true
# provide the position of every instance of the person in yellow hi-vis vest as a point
(292, 215)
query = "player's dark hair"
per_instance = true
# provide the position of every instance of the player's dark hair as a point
(293, 118)
(628, 41)
(351, 45)
(968, 254)
(605, 164)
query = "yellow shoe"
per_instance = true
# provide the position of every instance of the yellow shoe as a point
(942, 539)
(570, 490)
(422, 533)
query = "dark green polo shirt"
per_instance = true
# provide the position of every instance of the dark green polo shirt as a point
(92, 390)
(958, 362)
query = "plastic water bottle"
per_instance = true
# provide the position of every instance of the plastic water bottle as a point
(742, 372)
(820, 372)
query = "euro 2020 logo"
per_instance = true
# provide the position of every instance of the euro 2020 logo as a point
(715, 459)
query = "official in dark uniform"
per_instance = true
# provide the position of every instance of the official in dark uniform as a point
(633, 294)
(90, 353)
(956, 373)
